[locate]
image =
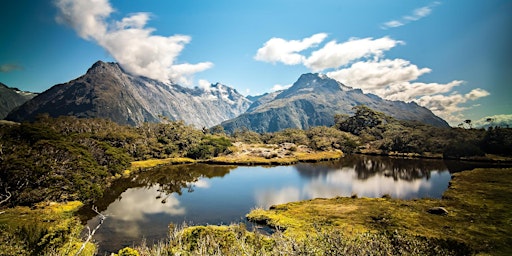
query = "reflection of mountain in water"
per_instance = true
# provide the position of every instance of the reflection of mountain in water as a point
(368, 166)
(169, 179)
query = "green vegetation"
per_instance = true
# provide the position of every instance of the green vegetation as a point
(67, 158)
(381, 134)
(45, 229)
(478, 219)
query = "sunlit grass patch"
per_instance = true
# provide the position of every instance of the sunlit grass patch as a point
(47, 228)
(154, 162)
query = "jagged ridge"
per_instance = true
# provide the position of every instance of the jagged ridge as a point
(107, 91)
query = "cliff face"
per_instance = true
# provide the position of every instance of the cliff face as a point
(106, 91)
(314, 100)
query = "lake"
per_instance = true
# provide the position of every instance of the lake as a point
(143, 206)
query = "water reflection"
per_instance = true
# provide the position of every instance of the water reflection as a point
(144, 205)
(365, 176)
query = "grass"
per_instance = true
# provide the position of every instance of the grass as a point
(45, 229)
(288, 160)
(478, 201)
(236, 240)
(155, 162)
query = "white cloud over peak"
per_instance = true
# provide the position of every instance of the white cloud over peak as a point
(375, 74)
(287, 51)
(279, 87)
(360, 63)
(335, 55)
(416, 14)
(129, 41)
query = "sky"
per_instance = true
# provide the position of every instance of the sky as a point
(452, 57)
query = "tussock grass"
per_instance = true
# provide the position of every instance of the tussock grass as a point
(236, 240)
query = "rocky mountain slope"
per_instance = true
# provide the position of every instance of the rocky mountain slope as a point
(106, 91)
(314, 100)
(10, 98)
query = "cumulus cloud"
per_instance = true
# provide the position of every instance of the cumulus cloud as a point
(287, 51)
(449, 106)
(279, 87)
(361, 63)
(129, 41)
(9, 67)
(377, 74)
(416, 14)
(495, 120)
(335, 55)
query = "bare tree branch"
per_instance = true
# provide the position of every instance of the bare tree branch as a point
(9, 195)
(91, 233)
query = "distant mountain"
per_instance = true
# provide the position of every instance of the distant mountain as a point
(314, 100)
(10, 98)
(106, 91)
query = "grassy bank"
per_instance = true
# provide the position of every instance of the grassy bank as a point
(478, 203)
(286, 160)
(45, 229)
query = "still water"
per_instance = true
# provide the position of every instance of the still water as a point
(143, 206)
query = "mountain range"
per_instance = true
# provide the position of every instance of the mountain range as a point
(10, 98)
(107, 91)
(314, 100)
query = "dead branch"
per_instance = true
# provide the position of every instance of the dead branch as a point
(91, 233)
(9, 195)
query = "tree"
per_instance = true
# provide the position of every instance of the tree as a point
(468, 122)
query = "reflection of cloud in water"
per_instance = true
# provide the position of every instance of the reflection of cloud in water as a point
(201, 183)
(137, 203)
(343, 182)
(267, 197)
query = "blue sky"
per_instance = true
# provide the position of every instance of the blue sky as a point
(450, 56)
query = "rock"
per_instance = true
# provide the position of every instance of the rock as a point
(438, 210)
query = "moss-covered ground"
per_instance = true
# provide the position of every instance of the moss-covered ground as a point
(45, 229)
(478, 202)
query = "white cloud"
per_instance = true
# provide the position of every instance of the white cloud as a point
(396, 80)
(129, 41)
(417, 14)
(495, 120)
(204, 84)
(360, 63)
(335, 55)
(375, 74)
(279, 87)
(287, 51)
(448, 107)
(393, 24)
